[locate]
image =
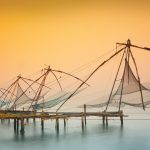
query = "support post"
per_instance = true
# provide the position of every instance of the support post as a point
(82, 120)
(85, 114)
(17, 125)
(22, 126)
(106, 120)
(42, 123)
(64, 122)
(103, 118)
(57, 123)
(34, 120)
(14, 124)
(121, 117)
(34, 114)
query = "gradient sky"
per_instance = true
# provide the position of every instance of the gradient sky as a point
(68, 33)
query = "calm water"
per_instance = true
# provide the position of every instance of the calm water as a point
(135, 134)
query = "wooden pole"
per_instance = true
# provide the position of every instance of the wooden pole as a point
(110, 96)
(34, 120)
(34, 114)
(82, 120)
(85, 114)
(57, 122)
(141, 93)
(121, 117)
(64, 122)
(42, 123)
(17, 125)
(22, 126)
(106, 120)
(103, 118)
(14, 124)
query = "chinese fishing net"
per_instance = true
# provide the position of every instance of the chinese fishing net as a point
(129, 92)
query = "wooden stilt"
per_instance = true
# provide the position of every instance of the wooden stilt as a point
(17, 123)
(57, 123)
(42, 123)
(34, 114)
(106, 120)
(34, 120)
(121, 117)
(85, 114)
(22, 126)
(103, 118)
(82, 120)
(14, 124)
(64, 122)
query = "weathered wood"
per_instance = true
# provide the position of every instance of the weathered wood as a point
(61, 115)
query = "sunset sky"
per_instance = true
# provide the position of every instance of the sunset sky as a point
(68, 33)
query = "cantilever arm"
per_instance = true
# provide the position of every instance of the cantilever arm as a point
(145, 48)
(70, 75)
(56, 79)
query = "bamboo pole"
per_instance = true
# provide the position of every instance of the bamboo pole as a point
(114, 82)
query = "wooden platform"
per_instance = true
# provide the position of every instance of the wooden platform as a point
(51, 115)
(20, 116)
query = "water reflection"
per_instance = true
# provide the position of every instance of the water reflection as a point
(84, 131)
(94, 134)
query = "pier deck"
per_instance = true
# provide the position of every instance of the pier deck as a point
(20, 116)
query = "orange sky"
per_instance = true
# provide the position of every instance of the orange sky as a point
(68, 33)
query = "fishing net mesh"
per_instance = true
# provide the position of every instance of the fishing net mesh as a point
(130, 89)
